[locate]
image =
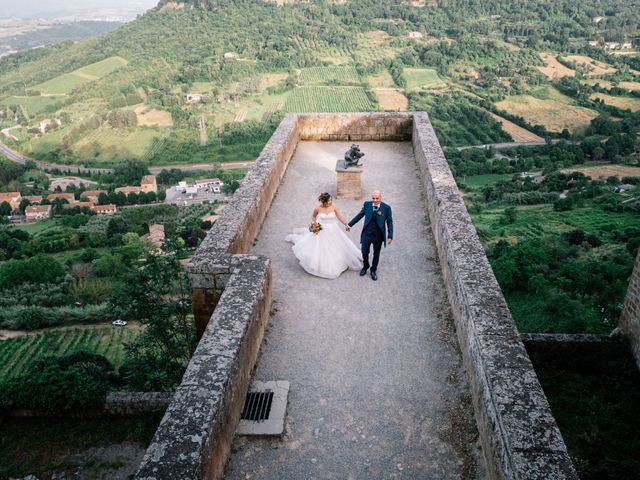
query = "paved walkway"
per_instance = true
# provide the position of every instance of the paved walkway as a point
(377, 387)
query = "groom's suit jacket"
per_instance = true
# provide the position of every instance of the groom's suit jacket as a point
(384, 219)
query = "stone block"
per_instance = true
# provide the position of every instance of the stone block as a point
(349, 181)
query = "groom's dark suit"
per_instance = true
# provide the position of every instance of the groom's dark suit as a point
(377, 222)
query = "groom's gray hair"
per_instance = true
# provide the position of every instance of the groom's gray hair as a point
(376, 191)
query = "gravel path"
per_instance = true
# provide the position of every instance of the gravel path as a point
(377, 386)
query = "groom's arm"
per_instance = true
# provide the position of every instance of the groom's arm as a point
(390, 226)
(357, 218)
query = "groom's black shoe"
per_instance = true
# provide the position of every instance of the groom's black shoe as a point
(363, 272)
(374, 275)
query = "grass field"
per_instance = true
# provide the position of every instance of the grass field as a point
(423, 78)
(549, 108)
(595, 67)
(328, 75)
(554, 69)
(16, 354)
(150, 117)
(33, 228)
(381, 80)
(518, 133)
(535, 220)
(624, 103)
(604, 171)
(391, 99)
(61, 85)
(101, 68)
(631, 86)
(65, 83)
(328, 99)
(34, 104)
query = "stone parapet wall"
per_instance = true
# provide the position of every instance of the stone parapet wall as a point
(134, 403)
(630, 317)
(519, 435)
(194, 438)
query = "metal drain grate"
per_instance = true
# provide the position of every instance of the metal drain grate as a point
(264, 408)
(257, 406)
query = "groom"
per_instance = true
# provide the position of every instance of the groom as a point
(377, 220)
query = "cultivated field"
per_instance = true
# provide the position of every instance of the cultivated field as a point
(391, 99)
(553, 110)
(17, 354)
(631, 86)
(595, 67)
(605, 171)
(518, 133)
(61, 85)
(381, 80)
(324, 75)
(624, 103)
(65, 83)
(328, 99)
(152, 117)
(554, 69)
(117, 144)
(423, 78)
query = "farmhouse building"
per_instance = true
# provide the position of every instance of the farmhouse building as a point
(12, 198)
(48, 124)
(211, 183)
(33, 198)
(415, 35)
(35, 213)
(78, 204)
(194, 97)
(92, 195)
(128, 190)
(69, 197)
(109, 209)
(149, 184)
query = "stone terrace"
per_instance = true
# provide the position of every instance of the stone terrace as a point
(370, 364)
(377, 384)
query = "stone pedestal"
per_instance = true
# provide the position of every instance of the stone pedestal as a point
(349, 181)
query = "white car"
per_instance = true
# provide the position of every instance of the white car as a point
(119, 323)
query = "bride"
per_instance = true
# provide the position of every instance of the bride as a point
(328, 252)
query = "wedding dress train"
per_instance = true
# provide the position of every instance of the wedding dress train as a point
(329, 252)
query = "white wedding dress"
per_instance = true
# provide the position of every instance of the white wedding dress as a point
(329, 252)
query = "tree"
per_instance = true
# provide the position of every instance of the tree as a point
(5, 209)
(131, 171)
(132, 198)
(24, 203)
(103, 198)
(157, 295)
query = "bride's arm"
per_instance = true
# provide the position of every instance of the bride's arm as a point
(314, 214)
(340, 217)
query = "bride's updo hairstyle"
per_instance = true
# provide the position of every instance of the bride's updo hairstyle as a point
(324, 198)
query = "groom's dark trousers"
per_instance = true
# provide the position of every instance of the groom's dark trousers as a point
(371, 235)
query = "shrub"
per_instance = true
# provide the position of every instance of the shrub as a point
(60, 384)
(38, 269)
(31, 317)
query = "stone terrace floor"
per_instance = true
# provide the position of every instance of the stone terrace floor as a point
(377, 385)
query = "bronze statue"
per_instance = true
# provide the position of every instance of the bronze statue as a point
(353, 156)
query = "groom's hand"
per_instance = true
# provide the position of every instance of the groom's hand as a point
(390, 241)
(347, 228)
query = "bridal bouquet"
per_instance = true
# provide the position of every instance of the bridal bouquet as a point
(315, 227)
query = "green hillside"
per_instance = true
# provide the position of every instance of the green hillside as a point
(300, 56)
